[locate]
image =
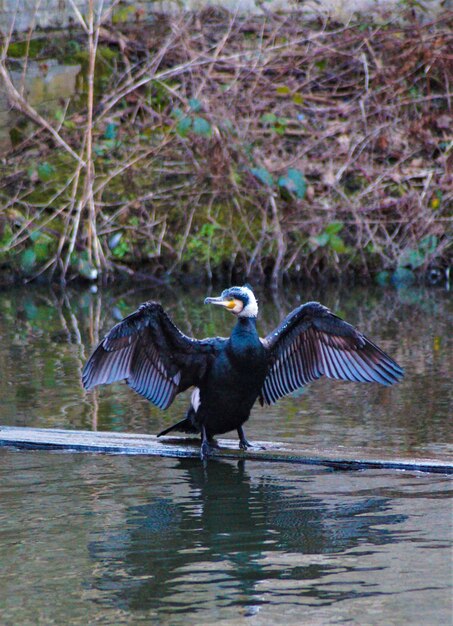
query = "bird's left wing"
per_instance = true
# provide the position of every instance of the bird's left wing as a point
(312, 342)
(154, 357)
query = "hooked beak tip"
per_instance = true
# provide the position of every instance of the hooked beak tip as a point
(214, 301)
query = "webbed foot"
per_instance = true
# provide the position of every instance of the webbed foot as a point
(213, 443)
(208, 444)
(205, 450)
(244, 444)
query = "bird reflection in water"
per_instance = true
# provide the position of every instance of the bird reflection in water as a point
(226, 536)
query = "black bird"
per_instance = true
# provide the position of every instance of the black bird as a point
(228, 375)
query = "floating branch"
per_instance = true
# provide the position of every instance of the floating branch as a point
(138, 444)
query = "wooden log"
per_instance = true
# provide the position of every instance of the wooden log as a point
(128, 443)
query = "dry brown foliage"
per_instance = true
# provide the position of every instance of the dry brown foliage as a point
(362, 111)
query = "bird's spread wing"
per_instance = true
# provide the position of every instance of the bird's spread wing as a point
(312, 341)
(154, 357)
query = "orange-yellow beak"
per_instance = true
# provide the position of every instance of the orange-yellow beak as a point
(227, 304)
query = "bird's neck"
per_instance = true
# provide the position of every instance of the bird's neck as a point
(244, 347)
(245, 329)
(245, 326)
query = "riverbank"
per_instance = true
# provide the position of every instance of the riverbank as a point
(212, 145)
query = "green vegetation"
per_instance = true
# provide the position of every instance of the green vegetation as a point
(252, 146)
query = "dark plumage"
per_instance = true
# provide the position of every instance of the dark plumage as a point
(158, 361)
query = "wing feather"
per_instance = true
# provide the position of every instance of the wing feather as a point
(151, 354)
(312, 342)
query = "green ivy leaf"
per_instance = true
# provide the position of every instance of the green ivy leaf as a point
(27, 259)
(111, 131)
(177, 113)
(337, 244)
(202, 127)
(268, 118)
(111, 144)
(333, 228)
(99, 149)
(122, 14)
(6, 240)
(402, 276)
(74, 46)
(35, 235)
(263, 175)
(121, 249)
(411, 258)
(45, 171)
(416, 257)
(195, 105)
(183, 126)
(41, 251)
(322, 239)
(428, 244)
(294, 182)
(382, 278)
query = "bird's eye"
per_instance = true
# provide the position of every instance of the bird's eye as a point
(230, 298)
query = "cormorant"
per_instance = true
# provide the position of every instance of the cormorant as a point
(228, 375)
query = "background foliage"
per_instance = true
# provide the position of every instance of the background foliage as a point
(214, 145)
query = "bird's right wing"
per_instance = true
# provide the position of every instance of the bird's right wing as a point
(154, 357)
(312, 342)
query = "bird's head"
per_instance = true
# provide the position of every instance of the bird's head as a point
(239, 300)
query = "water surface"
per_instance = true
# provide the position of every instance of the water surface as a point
(111, 539)
(47, 337)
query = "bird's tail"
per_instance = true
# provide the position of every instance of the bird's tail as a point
(183, 426)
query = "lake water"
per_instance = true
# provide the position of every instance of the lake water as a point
(124, 540)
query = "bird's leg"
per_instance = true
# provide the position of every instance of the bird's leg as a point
(206, 444)
(213, 442)
(243, 443)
